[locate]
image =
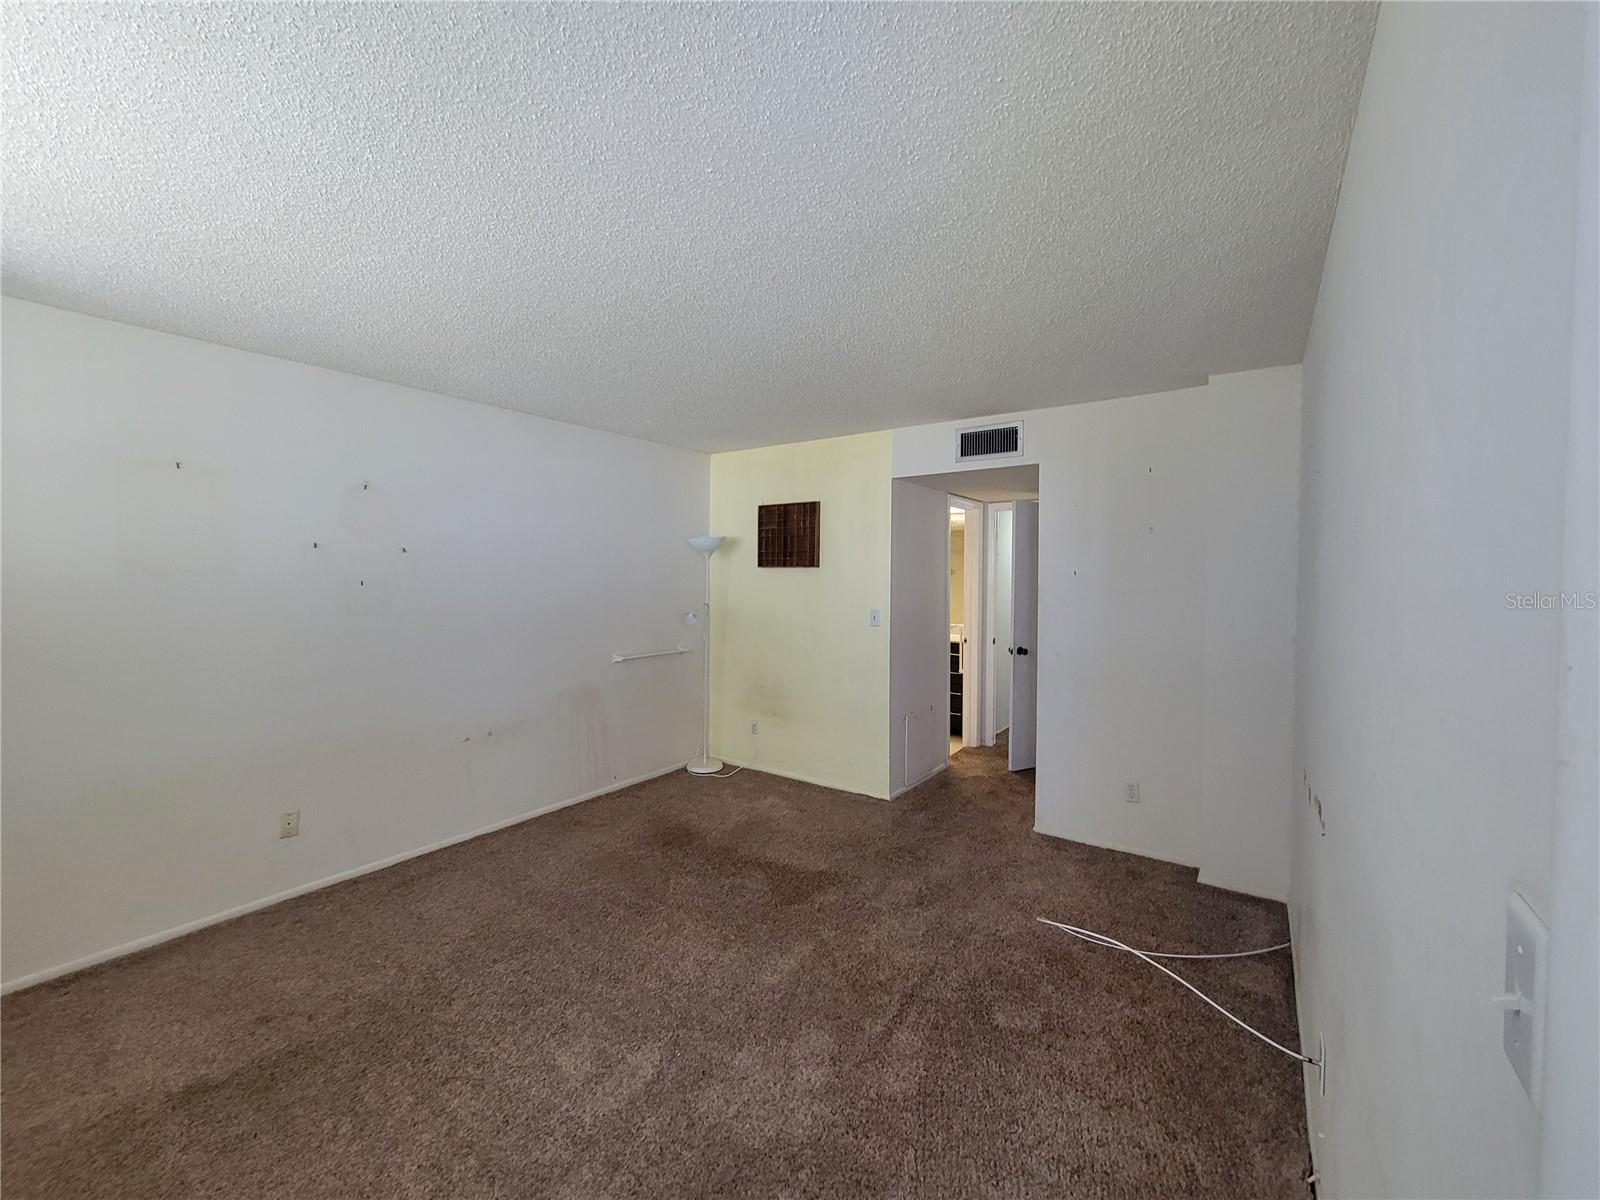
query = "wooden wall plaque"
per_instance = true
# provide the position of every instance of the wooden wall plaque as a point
(789, 535)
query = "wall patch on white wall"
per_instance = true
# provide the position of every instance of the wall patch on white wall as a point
(174, 519)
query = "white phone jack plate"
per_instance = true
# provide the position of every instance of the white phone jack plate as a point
(1522, 1003)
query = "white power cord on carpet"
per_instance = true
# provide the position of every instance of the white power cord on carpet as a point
(1111, 943)
(1159, 954)
(721, 774)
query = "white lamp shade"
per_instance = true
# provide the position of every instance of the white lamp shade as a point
(708, 543)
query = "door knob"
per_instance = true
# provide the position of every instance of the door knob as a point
(1022, 649)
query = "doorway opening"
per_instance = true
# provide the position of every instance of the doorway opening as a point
(961, 656)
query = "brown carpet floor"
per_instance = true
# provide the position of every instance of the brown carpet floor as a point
(745, 987)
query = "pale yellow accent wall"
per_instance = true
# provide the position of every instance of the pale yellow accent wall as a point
(792, 647)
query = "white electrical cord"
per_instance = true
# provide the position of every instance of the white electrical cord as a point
(1158, 954)
(722, 775)
(1100, 939)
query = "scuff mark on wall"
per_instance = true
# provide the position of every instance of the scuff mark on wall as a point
(584, 711)
(796, 650)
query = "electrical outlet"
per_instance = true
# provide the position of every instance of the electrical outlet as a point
(1130, 793)
(755, 728)
(289, 824)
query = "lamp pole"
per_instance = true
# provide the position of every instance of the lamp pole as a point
(705, 764)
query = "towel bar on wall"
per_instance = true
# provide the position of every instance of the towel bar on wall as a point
(650, 654)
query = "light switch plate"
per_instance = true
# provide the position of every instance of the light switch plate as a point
(1527, 951)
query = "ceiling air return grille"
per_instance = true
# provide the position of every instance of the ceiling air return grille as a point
(991, 441)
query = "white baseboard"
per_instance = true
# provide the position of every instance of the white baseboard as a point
(1200, 877)
(1083, 841)
(898, 792)
(1243, 890)
(177, 931)
(798, 778)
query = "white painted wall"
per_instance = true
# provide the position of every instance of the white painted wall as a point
(919, 644)
(1437, 396)
(1569, 1151)
(1121, 650)
(1139, 639)
(181, 665)
(1252, 534)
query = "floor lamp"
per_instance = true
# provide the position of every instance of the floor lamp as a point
(705, 764)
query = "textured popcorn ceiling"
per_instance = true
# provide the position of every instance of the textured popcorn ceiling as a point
(713, 226)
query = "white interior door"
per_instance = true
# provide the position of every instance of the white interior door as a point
(1000, 626)
(1024, 628)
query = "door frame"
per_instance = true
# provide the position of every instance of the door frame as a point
(974, 550)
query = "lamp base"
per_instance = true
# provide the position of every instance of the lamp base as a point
(705, 766)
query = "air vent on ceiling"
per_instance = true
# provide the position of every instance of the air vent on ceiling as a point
(991, 441)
